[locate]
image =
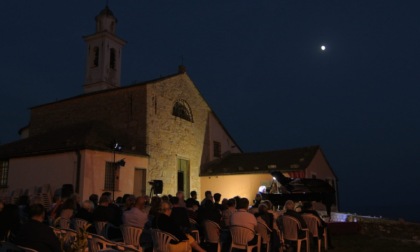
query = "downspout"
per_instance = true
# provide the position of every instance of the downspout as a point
(78, 170)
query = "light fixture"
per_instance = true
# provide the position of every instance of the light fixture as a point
(120, 163)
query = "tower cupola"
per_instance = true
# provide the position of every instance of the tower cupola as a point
(103, 65)
(106, 21)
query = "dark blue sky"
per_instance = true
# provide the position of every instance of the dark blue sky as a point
(259, 66)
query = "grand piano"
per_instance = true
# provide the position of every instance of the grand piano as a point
(302, 189)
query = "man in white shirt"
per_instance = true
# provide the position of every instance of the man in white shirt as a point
(245, 219)
(136, 217)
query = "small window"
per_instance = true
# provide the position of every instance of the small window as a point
(4, 173)
(112, 59)
(217, 149)
(112, 174)
(182, 110)
(94, 56)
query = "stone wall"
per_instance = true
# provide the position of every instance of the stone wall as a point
(170, 137)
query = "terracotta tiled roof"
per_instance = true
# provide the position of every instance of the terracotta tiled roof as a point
(91, 135)
(261, 162)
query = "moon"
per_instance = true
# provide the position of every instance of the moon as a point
(323, 48)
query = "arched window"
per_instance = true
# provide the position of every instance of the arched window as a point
(182, 110)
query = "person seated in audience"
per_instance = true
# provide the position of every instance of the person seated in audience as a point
(109, 213)
(86, 213)
(192, 200)
(217, 197)
(69, 208)
(265, 216)
(289, 207)
(135, 217)
(23, 205)
(181, 199)
(307, 209)
(180, 215)
(245, 219)
(9, 220)
(94, 198)
(257, 200)
(224, 204)
(146, 236)
(207, 196)
(37, 235)
(208, 211)
(166, 223)
(231, 208)
(129, 201)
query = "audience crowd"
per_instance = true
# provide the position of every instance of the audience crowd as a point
(26, 223)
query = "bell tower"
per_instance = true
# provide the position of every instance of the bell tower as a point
(103, 66)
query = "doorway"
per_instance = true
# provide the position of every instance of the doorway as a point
(183, 176)
(139, 182)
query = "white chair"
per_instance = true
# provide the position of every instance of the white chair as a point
(100, 227)
(57, 232)
(314, 226)
(291, 227)
(26, 249)
(212, 233)
(265, 232)
(64, 222)
(79, 223)
(131, 236)
(99, 243)
(161, 241)
(194, 229)
(240, 236)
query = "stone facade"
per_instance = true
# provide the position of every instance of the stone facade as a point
(145, 112)
(171, 138)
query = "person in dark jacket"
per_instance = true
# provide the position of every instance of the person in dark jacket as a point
(37, 235)
(166, 223)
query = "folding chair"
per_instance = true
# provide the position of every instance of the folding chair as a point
(314, 226)
(26, 249)
(99, 243)
(240, 238)
(212, 233)
(290, 232)
(79, 223)
(131, 236)
(265, 232)
(161, 241)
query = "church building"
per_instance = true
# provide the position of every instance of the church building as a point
(158, 134)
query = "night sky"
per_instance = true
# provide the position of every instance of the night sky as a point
(260, 66)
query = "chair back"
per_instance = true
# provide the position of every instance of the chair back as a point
(212, 231)
(312, 222)
(240, 238)
(290, 228)
(314, 225)
(98, 243)
(57, 232)
(26, 249)
(161, 240)
(68, 236)
(64, 222)
(79, 223)
(131, 235)
(100, 227)
(264, 231)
